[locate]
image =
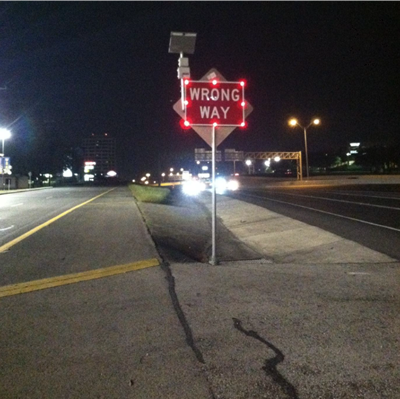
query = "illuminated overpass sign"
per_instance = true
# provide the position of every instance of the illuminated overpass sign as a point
(214, 101)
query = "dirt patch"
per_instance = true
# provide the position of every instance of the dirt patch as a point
(181, 229)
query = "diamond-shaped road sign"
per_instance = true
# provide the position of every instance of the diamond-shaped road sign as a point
(205, 132)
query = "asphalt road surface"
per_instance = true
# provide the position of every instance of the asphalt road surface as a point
(22, 211)
(366, 214)
(240, 330)
(67, 230)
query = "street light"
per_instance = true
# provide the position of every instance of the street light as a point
(293, 122)
(248, 163)
(4, 134)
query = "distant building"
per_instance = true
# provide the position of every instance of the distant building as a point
(99, 154)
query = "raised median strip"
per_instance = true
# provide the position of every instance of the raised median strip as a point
(286, 240)
(21, 288)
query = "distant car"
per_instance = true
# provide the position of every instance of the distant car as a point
(226, 183)
(222, 184)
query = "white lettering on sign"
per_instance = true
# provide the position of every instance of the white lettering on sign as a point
(205, 94)
(225, 111)
(209, 103)
(205, 112)
(215, 113)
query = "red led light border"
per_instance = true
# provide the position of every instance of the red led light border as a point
(213, 83)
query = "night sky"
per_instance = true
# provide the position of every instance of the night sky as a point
(73, 69)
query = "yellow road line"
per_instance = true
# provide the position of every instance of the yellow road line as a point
(51, 282)
(7, 246)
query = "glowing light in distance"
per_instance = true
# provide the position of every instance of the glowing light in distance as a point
(277, 159)
(4, 134)
(111, 173)
(186, 102)
(215, 124)
(233, 185)
(193, 187)
(67, 173)
(316, 121)
(186, 123)
(186, 81)
(242, 83)
(88, 177)
(243, 104)
(221, 185)
(243, 124)
(214, 82)
(293, 122)
(248, 162)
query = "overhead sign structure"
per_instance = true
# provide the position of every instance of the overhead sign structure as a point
(214, 101)
(200, 154)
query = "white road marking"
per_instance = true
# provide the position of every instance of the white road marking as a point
(356, 194)
(7, 228)
(347, 202)
(327, 213)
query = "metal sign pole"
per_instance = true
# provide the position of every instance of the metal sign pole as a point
(213, 260)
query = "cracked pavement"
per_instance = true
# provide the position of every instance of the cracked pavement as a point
(267, 328)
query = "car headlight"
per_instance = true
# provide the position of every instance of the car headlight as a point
(193, 187)
(233, 185)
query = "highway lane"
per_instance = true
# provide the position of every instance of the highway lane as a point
(367, 214)
(70, 230)
(22, 211)
(97, 318)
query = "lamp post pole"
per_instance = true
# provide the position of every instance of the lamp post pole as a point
(293, 122)
(306, 151)
(4, 134)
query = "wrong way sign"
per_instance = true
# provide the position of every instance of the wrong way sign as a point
(203, 130)
(214, 102)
